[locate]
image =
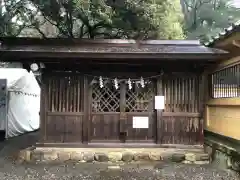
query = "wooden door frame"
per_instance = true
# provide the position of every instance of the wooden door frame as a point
(123, 115)
(87, 125)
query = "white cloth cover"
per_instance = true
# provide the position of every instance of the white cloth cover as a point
(23, 101)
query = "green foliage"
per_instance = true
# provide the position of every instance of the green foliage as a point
(11, 13)
(131, 19)
(100, 19)
(169, 19)
(206, 18)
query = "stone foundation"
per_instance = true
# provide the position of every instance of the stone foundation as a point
(222, 155)
(113, 155)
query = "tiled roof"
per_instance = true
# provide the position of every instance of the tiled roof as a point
(226, 32)
(56, 45)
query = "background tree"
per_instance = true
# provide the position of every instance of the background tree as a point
(11, 12)
(206, 18)
(134, 19)
(168, 16)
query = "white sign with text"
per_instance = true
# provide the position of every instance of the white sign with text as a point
(159, 102)
(140, 122)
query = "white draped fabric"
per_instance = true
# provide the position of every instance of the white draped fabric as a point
(23, 105)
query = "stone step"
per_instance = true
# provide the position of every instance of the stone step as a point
(114, 155)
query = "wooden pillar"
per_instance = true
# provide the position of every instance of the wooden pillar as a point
(86, 119)
(160, 92)
(43, 108)
(123, 115)
(205, 91)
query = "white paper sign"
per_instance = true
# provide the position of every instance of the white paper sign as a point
(159, 102)
(140, 122)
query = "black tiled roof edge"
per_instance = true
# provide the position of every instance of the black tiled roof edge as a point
(226, 32)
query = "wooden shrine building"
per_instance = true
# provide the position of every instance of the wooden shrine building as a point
(222, 110)
(103, 91)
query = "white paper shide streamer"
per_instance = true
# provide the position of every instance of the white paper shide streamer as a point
(129, 84)
(116, 83)
(100, 82)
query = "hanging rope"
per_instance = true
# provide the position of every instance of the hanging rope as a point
(103, 80)
(112, 79)
(24, 93)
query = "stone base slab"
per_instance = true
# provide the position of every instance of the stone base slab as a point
(222, 156)
(113, 155)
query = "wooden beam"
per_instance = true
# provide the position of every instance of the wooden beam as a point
(225, 64)
(236, 43)
(68, 56)
(235, 101)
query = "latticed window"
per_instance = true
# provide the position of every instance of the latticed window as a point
(105, 99)
(140, 99)
(226, 82)
(136, 99)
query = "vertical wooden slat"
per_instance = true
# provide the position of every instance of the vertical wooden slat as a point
(172, 95)
(231, 85)
(79, 97)
(225, 83)
(185, 92)
(190, 97)
(57, 94)
(52, 89)
(175, 95)
(66, 89)
(221, 82)
(90, 116)
(227, 80)
(86, 110)
(75, 94)
(166, 94)
(60, 86)
(235, 81)
(194, 94)
(203, 88)
(48, 94)
(160, 92)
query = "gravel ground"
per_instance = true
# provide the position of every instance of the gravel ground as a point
(101, 171)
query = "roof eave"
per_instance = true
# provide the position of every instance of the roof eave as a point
(227, 32)
(113, 56)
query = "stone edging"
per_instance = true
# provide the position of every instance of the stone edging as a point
(52, 155)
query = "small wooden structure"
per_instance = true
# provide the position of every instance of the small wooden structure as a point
(76, 110)
(222, 111)
(223, 99)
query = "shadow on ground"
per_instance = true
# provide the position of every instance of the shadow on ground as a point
(13, 145)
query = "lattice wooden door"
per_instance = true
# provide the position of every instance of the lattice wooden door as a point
(139, 103)
(112, 111)
(105, 110)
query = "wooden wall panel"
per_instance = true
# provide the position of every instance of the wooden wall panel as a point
(224, 120)
(104, 127)
(144, 134)
(182, 119)
(62, 128)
